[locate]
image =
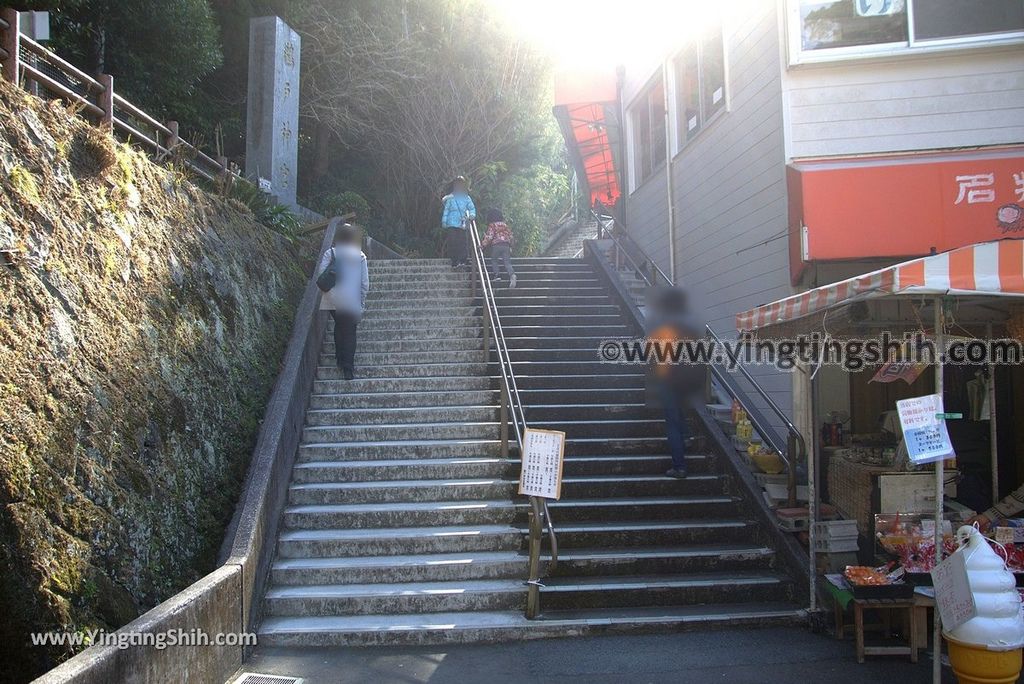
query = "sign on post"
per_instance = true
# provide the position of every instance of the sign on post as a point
(541, 474)
(923, 431)
(953, 594)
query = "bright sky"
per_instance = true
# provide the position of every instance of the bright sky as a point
(605, 33)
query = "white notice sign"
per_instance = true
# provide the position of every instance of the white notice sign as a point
(953, 591)
(541, 474)
(925, 435)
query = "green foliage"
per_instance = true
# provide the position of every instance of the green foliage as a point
(276, 217)
(531, 200)
(342, 203)
(157, 52)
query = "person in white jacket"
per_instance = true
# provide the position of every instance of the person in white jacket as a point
(347, 299)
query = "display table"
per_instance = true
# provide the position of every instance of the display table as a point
(914, 610)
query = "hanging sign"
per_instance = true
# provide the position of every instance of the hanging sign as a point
(543, 453)
(953, 594)
(923, 431)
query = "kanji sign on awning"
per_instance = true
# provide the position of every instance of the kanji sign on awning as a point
(988, 268)
(901, 206)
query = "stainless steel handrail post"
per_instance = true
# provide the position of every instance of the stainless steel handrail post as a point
(513, 415)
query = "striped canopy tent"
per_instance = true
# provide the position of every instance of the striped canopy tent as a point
(975, 274)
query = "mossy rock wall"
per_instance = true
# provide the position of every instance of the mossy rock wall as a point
(142, 323)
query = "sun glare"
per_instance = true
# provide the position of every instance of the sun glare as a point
(605, 33)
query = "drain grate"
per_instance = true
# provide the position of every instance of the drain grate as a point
(257, 678)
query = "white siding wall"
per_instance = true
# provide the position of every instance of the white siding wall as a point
(959, 99)
(730, 191)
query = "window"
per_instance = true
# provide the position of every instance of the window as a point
(647, 121)
(699, 85)
(836, 28)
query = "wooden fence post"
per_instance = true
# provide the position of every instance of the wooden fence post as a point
(107, 103)
(10, 40)
(173, 139)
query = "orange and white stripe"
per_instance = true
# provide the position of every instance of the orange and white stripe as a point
(987, 268)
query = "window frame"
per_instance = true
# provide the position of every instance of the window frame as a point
(643, 99)
(912, 46)
(679, 131)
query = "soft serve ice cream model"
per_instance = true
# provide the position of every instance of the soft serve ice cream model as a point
(987, 648)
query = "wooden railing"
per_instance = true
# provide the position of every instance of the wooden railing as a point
(28, 64)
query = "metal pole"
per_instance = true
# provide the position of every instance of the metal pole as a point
(940, 324)
(504, 416)
(993, 433)
(668, 176)
(812, 486)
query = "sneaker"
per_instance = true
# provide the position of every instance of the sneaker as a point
(348, 373)
(676, 474)
(512, 283)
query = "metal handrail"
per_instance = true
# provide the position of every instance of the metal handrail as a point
(512, 407)
(796, 446)
(617, 237)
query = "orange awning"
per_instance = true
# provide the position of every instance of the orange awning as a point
(988, 268)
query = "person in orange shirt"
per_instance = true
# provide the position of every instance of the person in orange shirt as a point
(673, 382)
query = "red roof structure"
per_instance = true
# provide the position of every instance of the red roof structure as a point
(587, 112)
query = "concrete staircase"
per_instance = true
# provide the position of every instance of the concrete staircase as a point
(403, 526)
(636, 547)
(401, 517)
(572, 243)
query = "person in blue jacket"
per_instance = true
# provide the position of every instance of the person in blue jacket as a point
(456, 216)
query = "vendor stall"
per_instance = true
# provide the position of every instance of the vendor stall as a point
(970, 292)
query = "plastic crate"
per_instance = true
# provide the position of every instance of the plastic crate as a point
(721, 412)
(836, 529)
(835, 545)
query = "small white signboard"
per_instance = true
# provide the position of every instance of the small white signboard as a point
(953, 591)
(543, 452)
(926, 436)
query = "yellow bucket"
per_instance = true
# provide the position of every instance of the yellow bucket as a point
(977, 665)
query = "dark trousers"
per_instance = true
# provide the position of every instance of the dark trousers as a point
(455, 246)
(345, 325)
(676, 429)
(501, 254)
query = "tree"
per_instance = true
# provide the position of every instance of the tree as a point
(157, 52)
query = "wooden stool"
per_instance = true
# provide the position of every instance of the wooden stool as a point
(885, 606)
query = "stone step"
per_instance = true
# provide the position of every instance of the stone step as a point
(496, 626)
(533, 341)
(398, 323)
(548, 289)
(405, 469)
(403, 514)
(422, 333)
(378, 599)
(401, 450)
(593, 412)
(618, 381)
(397, 358)
(555, 321)
(584, 395)
(416, 345)
(559, 309)
(396, 385)
(619, 445)
(396, 415)
(606, 427)
(369, 400)
(394, 569)
(593, 487)
(662, 533)
(668, 507)
(420, 313)
(398, 541)
(385, 306)
(562, 593)
(604, 332)
(643, 560)
(413, 370)
(398, 432)
(585, 363)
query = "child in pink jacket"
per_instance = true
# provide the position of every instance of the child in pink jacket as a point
(499, 238)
